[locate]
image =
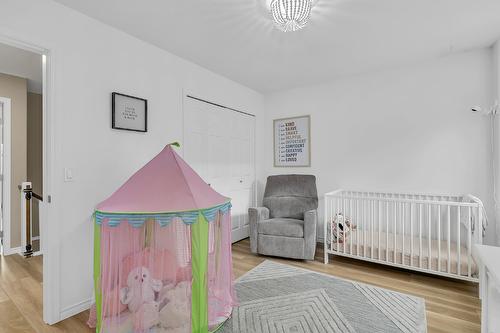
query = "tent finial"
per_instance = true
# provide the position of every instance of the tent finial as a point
(175, 143)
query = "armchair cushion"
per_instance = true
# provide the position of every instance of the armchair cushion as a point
(290, 195)
(282, 227)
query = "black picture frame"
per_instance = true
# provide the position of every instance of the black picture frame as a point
(113, 113)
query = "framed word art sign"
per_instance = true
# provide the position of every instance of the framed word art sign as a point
(129, 113)
(292, 142)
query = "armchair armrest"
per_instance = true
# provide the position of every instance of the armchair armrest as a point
(310, 226)
(255, 215)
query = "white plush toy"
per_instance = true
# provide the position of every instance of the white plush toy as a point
(141, 288)
(146, 317)
(339, 228)
(175, 316)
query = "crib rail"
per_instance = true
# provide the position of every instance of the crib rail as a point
(423, 232)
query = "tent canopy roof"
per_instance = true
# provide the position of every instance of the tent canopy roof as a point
(165, 184)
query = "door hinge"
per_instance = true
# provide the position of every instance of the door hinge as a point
(49, 198)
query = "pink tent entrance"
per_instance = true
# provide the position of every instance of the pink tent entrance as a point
(162, 256)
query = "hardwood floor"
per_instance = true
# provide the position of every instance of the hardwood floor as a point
(21, 299)
(452, 306)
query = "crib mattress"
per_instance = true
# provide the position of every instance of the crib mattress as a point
(421, 258)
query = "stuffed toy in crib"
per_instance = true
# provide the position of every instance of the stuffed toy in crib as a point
(339, 228)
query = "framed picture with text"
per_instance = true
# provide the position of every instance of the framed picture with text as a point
(129, 113)
(292, 142)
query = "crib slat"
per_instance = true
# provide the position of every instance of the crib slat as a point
(395, 233)
(479, 226)
(469, 241)
(411, 234)
(459, 248)
(352, 223)
(359, 227)
(343, 237)
(331, 225)
(449, 236)
(371, 208)
(403, 220)
(420, 235)
(429, 237)
(439, 238)
(365, 224)
(329, 220)
(345, 212)
(337, 210)
(387, 231)
(325, 232)
(378, 229)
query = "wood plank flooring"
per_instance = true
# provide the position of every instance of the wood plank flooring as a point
(452, 306)
(21, 299)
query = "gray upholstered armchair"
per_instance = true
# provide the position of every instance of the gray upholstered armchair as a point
(286, 225)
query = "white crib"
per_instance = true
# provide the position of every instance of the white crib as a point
(421, 232)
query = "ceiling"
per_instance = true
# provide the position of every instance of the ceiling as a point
(236, 38)
(21, 63)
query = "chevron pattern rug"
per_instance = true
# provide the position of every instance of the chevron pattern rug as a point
(277, 298)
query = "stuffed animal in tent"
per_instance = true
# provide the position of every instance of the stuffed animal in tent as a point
(175, 316)
(146, 316)
(140, 289)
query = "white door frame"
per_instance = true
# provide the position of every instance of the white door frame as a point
(6, 249)
(49, 233)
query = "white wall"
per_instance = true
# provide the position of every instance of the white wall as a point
(91, 60)
(407, 129)
(496, 73)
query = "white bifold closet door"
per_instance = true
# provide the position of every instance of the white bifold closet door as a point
(219, 145)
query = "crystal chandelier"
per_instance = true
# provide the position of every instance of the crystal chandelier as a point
(291, 15)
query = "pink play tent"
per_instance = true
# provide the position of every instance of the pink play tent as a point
(162, 256)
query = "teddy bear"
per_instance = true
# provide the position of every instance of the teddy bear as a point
(140, 289)
(175, 316)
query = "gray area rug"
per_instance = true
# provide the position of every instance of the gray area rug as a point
(277, 298)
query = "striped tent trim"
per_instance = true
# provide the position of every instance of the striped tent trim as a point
(137, 220)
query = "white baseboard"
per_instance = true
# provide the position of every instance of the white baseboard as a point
(75, 309)
(10, 251)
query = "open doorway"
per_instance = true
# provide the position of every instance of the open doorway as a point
(21, 156)
(24, 105)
